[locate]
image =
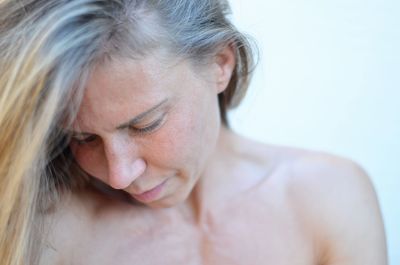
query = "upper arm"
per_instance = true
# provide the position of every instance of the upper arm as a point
(336, 199)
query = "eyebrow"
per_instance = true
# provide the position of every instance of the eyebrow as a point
(131, 122)
(142, 115)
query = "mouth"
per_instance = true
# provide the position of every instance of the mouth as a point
(151, 194)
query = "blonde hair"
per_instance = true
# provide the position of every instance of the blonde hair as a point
(39, 66)
(47, 48)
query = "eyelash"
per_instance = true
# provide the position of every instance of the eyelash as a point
(147, 129)
(140, 131)
(87, 140)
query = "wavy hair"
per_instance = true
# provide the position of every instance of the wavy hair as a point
(47, 50)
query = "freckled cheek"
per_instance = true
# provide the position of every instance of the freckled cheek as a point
(167, 146)
(174, 143)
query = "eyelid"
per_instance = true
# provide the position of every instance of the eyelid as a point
(144, 116)
(79, 136)
(146, 129)
(149, 128)
(84, 140)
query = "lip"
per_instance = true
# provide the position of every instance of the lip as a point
(151, 194)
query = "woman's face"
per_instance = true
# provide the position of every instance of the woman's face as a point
(148, 128)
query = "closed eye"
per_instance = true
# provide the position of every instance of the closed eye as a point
(84, 140)
(148, 128)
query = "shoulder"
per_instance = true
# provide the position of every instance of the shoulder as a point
(335, 199)
(331, 198)
(72, 223)
(66, 219)
(320, 171)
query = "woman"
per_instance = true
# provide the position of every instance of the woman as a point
(115, 147)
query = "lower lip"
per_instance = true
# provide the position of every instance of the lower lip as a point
(150, 195)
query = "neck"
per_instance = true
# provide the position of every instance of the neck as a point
(208, 189)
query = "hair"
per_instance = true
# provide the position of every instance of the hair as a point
(47, 50)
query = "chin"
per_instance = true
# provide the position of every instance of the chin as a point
(169, 201)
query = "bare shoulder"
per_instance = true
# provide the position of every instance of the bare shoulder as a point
(334, 197)
(63, 222)
(72, 224)
(331, 197)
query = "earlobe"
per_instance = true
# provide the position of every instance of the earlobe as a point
(225, 63)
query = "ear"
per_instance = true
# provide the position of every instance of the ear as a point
(225, 62)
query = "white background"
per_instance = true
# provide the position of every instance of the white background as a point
(329, 79)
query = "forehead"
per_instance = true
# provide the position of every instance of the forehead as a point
(119, 89)
(120, 78)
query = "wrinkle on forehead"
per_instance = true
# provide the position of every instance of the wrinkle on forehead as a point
(116, 91)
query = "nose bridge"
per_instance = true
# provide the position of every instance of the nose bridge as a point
(115, 148)
(123, 162)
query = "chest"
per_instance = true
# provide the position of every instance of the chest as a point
(242, 234)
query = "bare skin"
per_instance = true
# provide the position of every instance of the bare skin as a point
(280, 206)
(226, 200)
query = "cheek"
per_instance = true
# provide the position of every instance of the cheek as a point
(89, 160)
(188, 136)
(172, 147)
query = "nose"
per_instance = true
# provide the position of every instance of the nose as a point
(124, 165)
